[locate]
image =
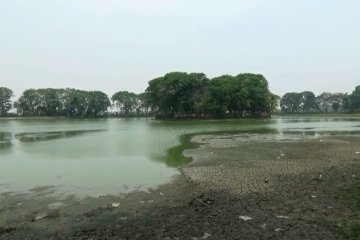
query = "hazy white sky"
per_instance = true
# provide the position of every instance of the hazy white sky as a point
(113, 45)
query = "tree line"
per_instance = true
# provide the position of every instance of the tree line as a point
(175, 93)
(178, 94)
(307, 102)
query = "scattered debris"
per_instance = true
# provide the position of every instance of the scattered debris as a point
(150, 201)
(201, 202)
(40, 216)
(245, 218)
(123, 218)
(115, 204)
(206, 235)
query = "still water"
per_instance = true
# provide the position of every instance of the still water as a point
(108, 156)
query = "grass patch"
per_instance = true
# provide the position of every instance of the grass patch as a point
(175, 156)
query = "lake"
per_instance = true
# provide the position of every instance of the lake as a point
(94, 157)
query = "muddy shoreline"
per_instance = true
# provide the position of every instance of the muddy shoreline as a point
(238, 187)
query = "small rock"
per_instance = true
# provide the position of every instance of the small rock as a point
(115, 204)
(205, 236)
(162, 194)
(284, 217)
(313, 196)
(40, 216)
(282, 155)
(357, 152)
(278, 229)
(263, 226)
(19, 203)
(353, 175)
(245, 218)
(142, 202)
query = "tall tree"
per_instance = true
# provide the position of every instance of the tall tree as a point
(290, 102)
(308, 102)
(330, 102)
(5, 100)
(126, 101)
(355, 99)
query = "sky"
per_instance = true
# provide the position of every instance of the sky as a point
(113, 45)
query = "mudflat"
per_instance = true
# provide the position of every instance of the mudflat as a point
(238, 186)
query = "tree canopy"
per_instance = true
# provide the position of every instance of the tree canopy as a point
(5, 100)
(179, 94)
(194, 93)
(326, 102)
(62, 102)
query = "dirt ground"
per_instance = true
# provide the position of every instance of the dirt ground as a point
(237, 187)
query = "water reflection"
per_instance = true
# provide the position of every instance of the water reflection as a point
(5, 137)
(5, 146)
(46, 136)
(5, 141)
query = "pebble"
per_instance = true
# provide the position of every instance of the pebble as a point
(115, 204)
(40, 216)
(245, 218)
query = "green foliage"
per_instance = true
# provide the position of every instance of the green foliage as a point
(354, 99)
(5, 100)
(290, 102)
(194, 93)
(62, 102)
(330, 102)
(126, 101)
(178, 92)
(298, 102)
